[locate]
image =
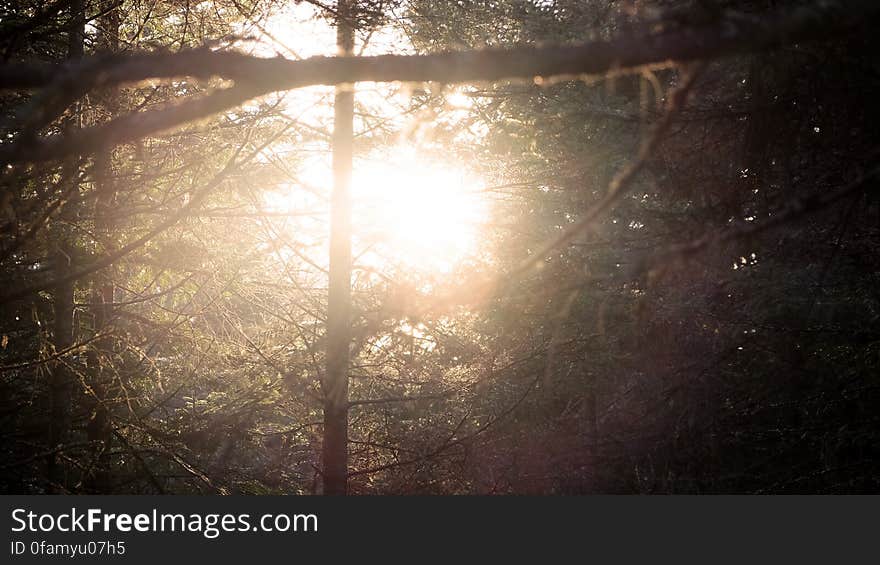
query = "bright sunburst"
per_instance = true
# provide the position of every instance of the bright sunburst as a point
(407, 210)
(415, 211)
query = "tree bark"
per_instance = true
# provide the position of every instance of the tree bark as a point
(100, 428)
(60, 376)
(335, 385)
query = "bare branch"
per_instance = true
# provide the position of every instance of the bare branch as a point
(258, 76)
(727, 37)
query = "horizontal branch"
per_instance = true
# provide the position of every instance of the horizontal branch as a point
(256, 76)
(728, 36)
(124, 129)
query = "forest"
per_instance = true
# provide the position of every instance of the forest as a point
(439, 247)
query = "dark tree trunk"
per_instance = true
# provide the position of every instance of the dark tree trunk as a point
(60, 377)
(100, 428)
(335, 385)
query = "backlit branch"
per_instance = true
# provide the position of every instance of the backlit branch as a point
(258, 76)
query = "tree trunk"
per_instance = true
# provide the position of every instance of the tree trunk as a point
(100, 429)
(335, 384)
(60, 376)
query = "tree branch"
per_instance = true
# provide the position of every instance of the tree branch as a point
(258, 76)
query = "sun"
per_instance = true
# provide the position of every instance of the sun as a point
(416, 211)
(409, 211)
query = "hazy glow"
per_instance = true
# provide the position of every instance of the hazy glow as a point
(421, 213)
(458, 99)
(408, 210)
